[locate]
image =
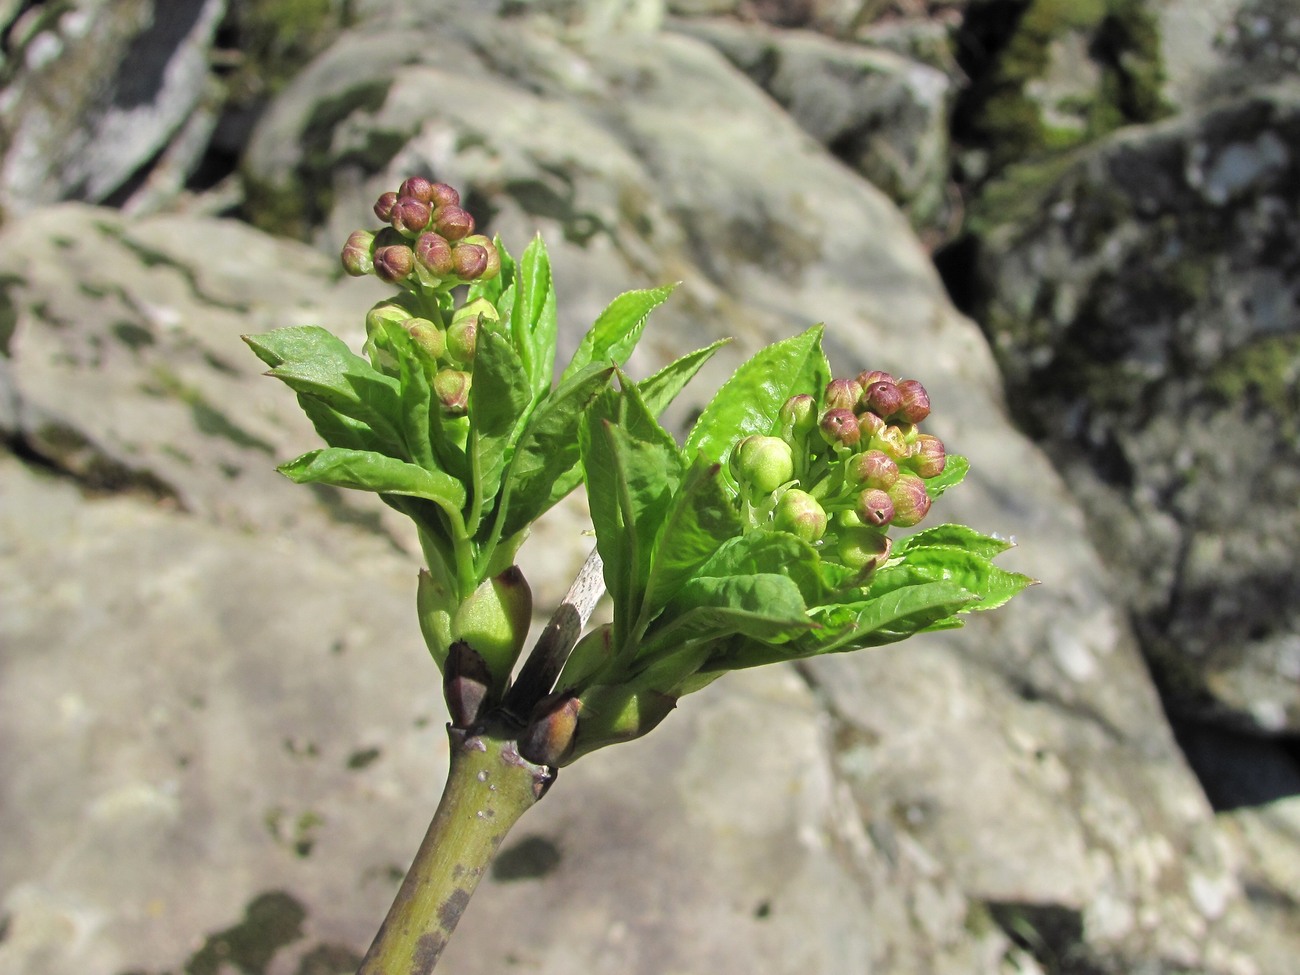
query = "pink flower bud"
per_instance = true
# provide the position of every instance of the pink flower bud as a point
(842, 394)
(869, 424)
(839, 428)
(442, 195)
(874, 469)
(418, 188)
(427, 336)
(469, 261)
(384, 206)
(884, 399)
(915, 403)
(875, 507)
(453, 222)
(356, 253)
(434, 253)
(928, 456)
(493, 267)
(799, 513)
(410, 216)
(798, 415)
(911, 503)
(394, 263)
(865, 379)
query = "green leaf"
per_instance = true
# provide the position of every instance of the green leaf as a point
(750, 401)
(957, 536)
(773, 552)
(617, 329)
(365, 470)
(498, 404)
(988, 585)
(296, 344)
(632, 467)
(415, 399)
(700, 519)
(895, 615)
(544, 465)
(954, 472)
(766, 607)
(662, 388)
(532, 316)
(336, 429)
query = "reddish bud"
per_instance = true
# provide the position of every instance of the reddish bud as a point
(465, 684)
(434, 253)
(394, 262)
(410, 216)
(384, 206)
(911, 502)
(842, 394)
(453, 222)
(798, 415)
(839, 428)
(548, 739)
(417, 187)
(356, 253)
(928, 456)
(869, 424)
(914, 405)
(875, 507)
(883, 398)
(493, 267)
(469, 261)
(866, 379)
(427, 336)
(441, 195)
(874, 469)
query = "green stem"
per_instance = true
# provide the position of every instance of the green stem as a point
(489, 786)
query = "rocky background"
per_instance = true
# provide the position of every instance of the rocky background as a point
(1076, 222)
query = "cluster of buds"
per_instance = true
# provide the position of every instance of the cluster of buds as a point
(429, 243)
(841, 472)
(448, 353)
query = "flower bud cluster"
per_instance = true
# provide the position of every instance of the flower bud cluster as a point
(429, 244)
(841, 471)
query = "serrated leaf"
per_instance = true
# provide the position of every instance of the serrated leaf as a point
(364, 470)
(296, 344)
(765, 607)
(544, 466)
(770, 552)
(532, 316)
(662, 388)
(750, 401)
(954, 472)
(615, 333)
(957, 536)
(498, 404)
(886, 617)
(336, 429)
(415, 399)
(989, 585)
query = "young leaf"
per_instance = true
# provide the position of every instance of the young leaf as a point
(662, 388)
(299, 343)
(765, 607)
(750, 401)
(959, 536)
(498, 404)
(774, 552)
(954, 472)
(336, 429)
(989, 585)
(614, 334)
(544, 465)
(532, 316)
(364, 470)
(415, 397)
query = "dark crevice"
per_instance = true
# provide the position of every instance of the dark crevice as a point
(95, 474)
(1237, 769)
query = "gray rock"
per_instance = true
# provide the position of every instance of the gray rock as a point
(98, 91)
(1144, 303)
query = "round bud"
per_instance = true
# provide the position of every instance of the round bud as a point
(469, 261)
(842, 394)
(493, 267)
(866, 379)
(453, 222)
(442, 195)
(862, 547)
(383, 313)
(451, 386)
(384, 206)
(427, 336)
(798, 415)
(893, 442)
(875, 507)
(883, 399)
(928, 456)
(869, 424)
(434, 253)
(356, 253)
(410, 216)
(462, 340)
(839, 428)
(915, 403)
(765, 463)
(799, 514)
(874, 469)
(911, 502)
(394, 262)
(418, 188)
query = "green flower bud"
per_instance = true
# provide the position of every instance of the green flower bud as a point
(410, 216)
(466, 683)
(493, 267)
(356, 253)
(453, 222)
(839, 428)
(451, 386)
(441, 195)
(548, 738)
(869, 424)
(892, 441)
(799, 513)
(842, 394)
(798, 415)
(462, 340)
(914, 405)
(911, 502)
(394, 263)
(384, 206)
(427, 336)
(765, 463)
(883, 399)
(494, 621)
(875, 507)
(873, 469)
(469, 261)
(434, 253)
(417, 187)
(863, 547)
(480, 308)
(382, 313)
(928, 456)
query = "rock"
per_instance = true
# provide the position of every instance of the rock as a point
(99, 91)
(882, 114)
(1143, 302)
